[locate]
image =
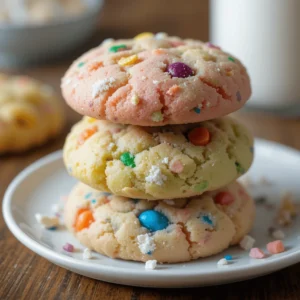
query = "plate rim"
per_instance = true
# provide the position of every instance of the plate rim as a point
(71, 263)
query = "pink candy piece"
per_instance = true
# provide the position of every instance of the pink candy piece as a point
(68, 247)
(256, 253)
(176, 166)
(275, 247)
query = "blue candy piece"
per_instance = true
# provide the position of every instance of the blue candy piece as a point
(52, 228)
(197, 110)
(228, 257)
(153, 220)
(207, 219)
(94, 201)
(88, 195)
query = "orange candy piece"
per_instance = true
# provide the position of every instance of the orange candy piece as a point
(224, 198)
(84, 219)
(199, 136)
(86, 134)
(275, 247)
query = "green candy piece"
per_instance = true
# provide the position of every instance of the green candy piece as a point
(81, 64)
(201, 186)
(231, 59)
(116, 48)
(127, 159)
(239, 168)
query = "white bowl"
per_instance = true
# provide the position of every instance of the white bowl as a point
(32, 43)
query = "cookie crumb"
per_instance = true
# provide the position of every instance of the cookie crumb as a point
(87, 254)
(151, 264)
(247, 242)
(256, 253)
(47, 222)
(278, 234)
(222, 262)
(155, 82)
(156, 176)
(146, 243)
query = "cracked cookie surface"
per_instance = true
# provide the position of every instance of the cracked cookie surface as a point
(156, 80)
(196, 227)
(30, 113)
(158, 162)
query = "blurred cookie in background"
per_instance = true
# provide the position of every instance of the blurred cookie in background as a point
(30, 113)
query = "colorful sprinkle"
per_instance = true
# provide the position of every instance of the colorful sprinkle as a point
(197, 110)
(201, 186)
(86, 134)
(173, 90)
(127, 61)
(231, 59)
(116, 48)
(53, 228)
(81, 64)
(239, 168)
(91, 120)
(127, 159)
(93, 201)
(135, 100)
(84, 220)
(88, 195)
(180, 70)
(256, 253)
(207, 219)
(238, 96)
(199, 136)
(228, 257)
(176, 166)
(275, 247)
(153, 220)
(144, 35)
(157, 116)
(224, 198)
(68, 247)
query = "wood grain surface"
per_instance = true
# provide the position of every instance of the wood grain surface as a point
(25, 275)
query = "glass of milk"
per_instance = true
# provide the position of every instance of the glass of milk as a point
(265, 35)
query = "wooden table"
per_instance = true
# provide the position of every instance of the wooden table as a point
(25, 275)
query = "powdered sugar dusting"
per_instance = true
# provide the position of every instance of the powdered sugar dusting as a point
(146, 243)
(102, 86)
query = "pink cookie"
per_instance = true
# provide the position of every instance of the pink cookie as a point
(155, 80)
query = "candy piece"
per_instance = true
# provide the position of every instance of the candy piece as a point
(231, 59)
(222, 262)
(257, 253)
(228, 257)
(127, 159)
(275, 247)
(224, 198)
(176, 166)
(91, 120)
(86, 134)
(88, 195)
(180, 70)
(127, 61)
(153, 220)
(84, 220)
(278, 234)
(135, 99)
(116, 48)
(157, 116)
(197, 110)
(81, 64)
(207, 219)
(150, 264)
(144, 35)
(239, 168)
(247, 242)
(199, 136)
(68, 247)
(87, 254)
(47, 222)
(201, 186)
(146, 243)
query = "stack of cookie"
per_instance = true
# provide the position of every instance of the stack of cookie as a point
(156, 158)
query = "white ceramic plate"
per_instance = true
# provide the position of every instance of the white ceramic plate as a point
(39, 186)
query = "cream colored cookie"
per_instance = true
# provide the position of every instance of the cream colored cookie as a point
(30, 113)
(158, 162)
(167, 230)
